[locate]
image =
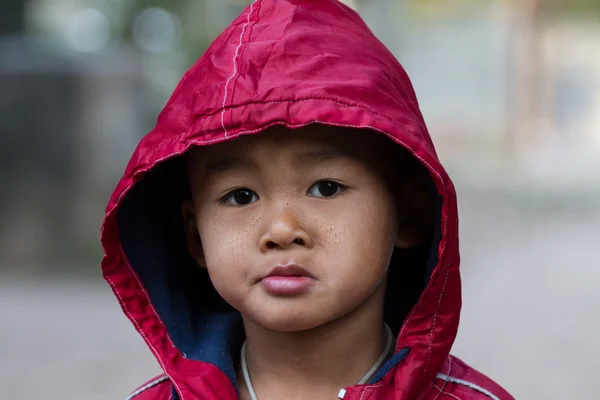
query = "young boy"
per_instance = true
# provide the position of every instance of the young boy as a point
(287, 231)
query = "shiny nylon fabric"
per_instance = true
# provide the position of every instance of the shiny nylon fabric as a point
(294, 63)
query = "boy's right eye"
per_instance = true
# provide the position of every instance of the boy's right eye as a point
(240, 197)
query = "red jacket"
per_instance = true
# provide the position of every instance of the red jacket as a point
(288, 62)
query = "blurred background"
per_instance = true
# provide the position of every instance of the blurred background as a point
(510, 90)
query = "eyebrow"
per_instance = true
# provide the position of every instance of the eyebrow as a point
(325, 156)
(228, 164)
(328, 155)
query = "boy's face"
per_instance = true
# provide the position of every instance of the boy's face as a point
(312, 203)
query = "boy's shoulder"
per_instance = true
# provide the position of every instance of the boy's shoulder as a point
(459, 380)
(157, 388)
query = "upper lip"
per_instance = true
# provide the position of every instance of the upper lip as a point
(290, 270)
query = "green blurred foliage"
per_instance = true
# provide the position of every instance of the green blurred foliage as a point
(551, 8)
(579, 8)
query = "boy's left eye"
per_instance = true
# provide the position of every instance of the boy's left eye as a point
(325, 189)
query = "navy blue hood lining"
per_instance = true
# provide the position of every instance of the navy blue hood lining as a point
(200, 323)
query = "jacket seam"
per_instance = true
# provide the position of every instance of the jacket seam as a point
(441, 391)
(146, 387)
(444, 384)
(250, 29)
(431, 334)
(282, 101)
(234, 71)
(471, 385)
(367, 387)
(135, 322)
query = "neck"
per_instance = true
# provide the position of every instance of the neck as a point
(315, 363)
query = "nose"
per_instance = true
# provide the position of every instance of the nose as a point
(284, 230)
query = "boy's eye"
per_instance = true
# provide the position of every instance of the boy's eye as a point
(240, 197)
(325, 189)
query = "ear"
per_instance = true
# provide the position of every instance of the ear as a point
(416, 222)
(192, 236)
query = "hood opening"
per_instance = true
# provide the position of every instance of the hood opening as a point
(199, 322)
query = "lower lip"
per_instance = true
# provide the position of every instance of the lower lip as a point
(287, 285)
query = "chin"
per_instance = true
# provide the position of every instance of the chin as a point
(289, 320)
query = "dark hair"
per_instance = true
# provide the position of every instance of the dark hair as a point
(410, 183)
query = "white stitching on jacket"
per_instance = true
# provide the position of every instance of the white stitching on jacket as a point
(446, 393)
(234, 72)
(134, 321)
(147, 386)
(468, 384)
(434, 319)
(444, 385)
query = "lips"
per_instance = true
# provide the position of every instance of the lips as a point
(290, 271)
(288, 280)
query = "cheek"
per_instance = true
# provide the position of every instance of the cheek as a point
(223, 235)
(364, 238)
(225, 243)
(375, 216)
(221, 260)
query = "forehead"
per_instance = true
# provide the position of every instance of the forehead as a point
(311, 143)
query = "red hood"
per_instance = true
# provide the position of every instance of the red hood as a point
(287, 62)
